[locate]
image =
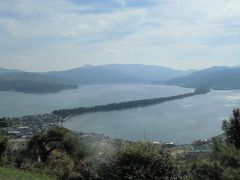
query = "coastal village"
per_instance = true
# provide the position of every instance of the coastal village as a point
(23, 128)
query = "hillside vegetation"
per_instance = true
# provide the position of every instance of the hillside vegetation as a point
(62, 153)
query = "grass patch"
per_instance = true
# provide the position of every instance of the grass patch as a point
(14, 174)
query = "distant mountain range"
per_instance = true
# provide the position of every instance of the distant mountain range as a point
(147, 73)
(111, 74)
(31, 82)
(212, 78)
(4, 71)
(215, 77)
(118, 73)
(28, 86)
(93, 74)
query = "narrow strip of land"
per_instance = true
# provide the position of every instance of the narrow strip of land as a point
(65, 113)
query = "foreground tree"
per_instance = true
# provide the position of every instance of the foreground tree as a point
(61, 139)
(232, 128)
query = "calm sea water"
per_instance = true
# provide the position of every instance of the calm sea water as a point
(180, 121)
(15, 104)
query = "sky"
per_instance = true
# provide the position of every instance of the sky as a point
(43, 35)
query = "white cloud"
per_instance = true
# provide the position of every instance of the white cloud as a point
(21, 58)
(177, 33)
(114, 53)
(121, 2)
(70, 33)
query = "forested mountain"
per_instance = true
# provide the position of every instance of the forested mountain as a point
(4, 71)
(93, 74)
(147, 72)
(215, 78)
(28, 86)
(30, 77)
(112, 73)
(32, 83)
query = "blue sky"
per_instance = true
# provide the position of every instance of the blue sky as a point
(43, 35)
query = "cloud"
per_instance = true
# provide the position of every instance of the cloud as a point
(114, 53)
(21, 58)
(70, 33)
(123, 3)
(59, 34)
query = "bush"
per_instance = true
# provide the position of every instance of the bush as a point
(60, 164)
(223, 164)
(141, 161)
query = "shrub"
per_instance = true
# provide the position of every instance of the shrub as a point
(141, 161)
(60, 164)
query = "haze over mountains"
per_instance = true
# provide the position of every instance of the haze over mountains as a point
(93, 74)
(147, 72)
(214, 78)
(4, 71)
(211, 78)
(118, 73)
(112, 73)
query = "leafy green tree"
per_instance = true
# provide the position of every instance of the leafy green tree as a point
(141, 161)
(61, 139)
(232, 128)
